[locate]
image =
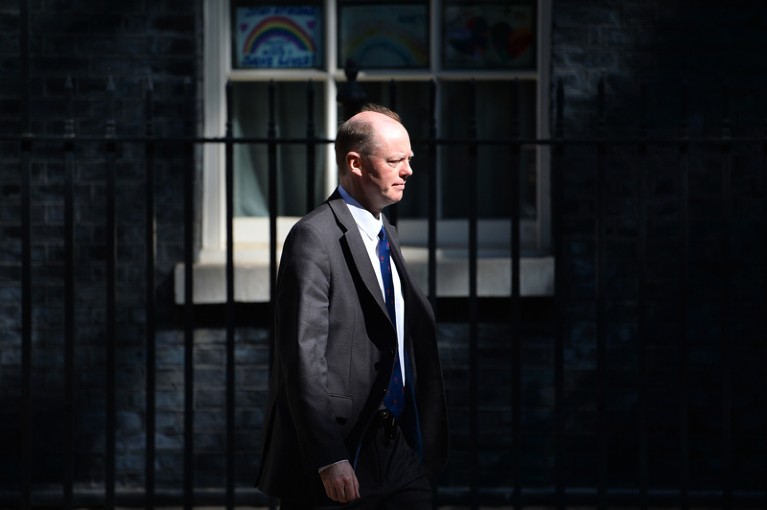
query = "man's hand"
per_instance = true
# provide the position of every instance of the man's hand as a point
(340, 482)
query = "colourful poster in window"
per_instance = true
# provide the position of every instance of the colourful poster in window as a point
(278, 37)
(490, 35)
(384, 36)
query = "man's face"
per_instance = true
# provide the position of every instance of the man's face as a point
(388, 167)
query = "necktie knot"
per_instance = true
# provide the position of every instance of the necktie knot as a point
(382, 236)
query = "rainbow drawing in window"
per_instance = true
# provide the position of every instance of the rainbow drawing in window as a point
(384, 36)
(278, 37)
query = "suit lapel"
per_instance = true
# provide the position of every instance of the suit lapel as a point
(397, 257)
(357, 249)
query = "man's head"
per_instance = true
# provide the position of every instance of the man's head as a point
(373, 154)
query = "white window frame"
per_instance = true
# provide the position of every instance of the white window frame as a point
(251, 234)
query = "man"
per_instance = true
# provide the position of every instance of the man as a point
(342, 427)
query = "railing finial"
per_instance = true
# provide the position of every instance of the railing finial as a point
(351, 95)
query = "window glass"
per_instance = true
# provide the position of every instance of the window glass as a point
(277, 36)
(496, 108)
(388, 35)
(251, 174)
(489, 34)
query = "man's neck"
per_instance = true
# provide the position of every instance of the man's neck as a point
(352, 193)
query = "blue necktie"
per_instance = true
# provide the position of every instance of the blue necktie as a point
(394, 400)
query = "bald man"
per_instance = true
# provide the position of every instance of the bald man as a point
(356, 415)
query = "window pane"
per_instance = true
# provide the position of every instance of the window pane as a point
(495, 116)
(495, 113)
(489, 34)
(270, 36)
(390, 35)
(251, 116)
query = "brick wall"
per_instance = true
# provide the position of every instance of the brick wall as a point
(92, 43)
(703, 76)
(709, 44)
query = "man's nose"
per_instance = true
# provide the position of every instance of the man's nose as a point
(407, 170)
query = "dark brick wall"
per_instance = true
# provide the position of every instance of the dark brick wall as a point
(92, 43)
(710, 46)
(706, 47)
(699, 62)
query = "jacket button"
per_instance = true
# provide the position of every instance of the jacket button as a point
(391, 351)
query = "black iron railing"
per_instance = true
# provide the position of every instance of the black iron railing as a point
(593, 154)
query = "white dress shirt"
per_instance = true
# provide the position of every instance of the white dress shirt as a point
(369, 227)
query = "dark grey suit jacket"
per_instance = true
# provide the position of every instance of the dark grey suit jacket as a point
(334, 354)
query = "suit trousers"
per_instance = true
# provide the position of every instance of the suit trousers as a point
(390, 474)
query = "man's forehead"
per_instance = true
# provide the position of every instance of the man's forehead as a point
(390, 142)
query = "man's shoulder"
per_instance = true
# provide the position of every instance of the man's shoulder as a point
(315, 227)
(316, 232)
(325, 215)
(319, 216)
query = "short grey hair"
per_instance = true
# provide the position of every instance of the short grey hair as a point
(358, 135)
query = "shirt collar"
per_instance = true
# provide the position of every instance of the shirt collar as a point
(365, 220)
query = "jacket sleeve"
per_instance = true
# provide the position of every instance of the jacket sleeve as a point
(302, 310)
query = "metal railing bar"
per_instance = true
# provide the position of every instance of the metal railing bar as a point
(230, 306)
(599, 285)
(683, 301)
(25, 486)
(26, 324)
(273, 199)
(670, 140)
(644, 200)
(431, 199)
(150, 240)
(189, 322)
(763, 245)
(601, 493)
(271, 130)
(392, 212)
(473, 172)
(433, 190)
(111, 300)
(311, 149)
(558, 237)
(725, 312)
(447, 496)
(515, 316)
(578, 497)
(69, 302)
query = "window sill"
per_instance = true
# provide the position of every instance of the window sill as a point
(251, 275)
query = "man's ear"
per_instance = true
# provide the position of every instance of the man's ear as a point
(354, 162)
